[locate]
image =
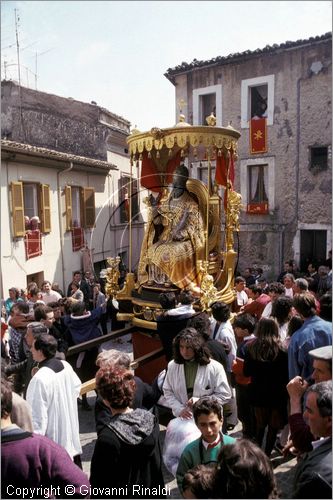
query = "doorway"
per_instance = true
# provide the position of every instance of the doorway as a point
(313, 247)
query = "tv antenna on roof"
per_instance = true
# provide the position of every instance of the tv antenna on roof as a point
(17, 45)
(37, 54)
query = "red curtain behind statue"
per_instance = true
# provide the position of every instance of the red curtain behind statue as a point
(221, 173)
(150, 178)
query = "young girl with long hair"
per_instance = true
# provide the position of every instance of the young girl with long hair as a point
(266, 362)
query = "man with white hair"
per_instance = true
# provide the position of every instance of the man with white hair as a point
(300, 285)
(325, 280)
(313, 476)
(300, 432)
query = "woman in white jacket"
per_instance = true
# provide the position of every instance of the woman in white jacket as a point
(193, 374)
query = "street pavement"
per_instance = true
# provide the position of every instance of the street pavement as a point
(283, 468)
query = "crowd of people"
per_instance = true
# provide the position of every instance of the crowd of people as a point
(264, 361)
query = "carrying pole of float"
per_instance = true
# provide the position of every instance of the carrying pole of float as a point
(130, 217)
(208, 198)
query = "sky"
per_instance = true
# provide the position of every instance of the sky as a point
(116, 53)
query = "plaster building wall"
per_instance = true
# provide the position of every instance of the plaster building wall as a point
(15, 266)
(71, 127)
(299, 198)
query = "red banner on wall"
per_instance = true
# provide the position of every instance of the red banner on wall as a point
(33, 244)
(258, 135)
(77, 239)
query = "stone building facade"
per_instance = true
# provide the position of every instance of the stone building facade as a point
(67, 162)
(294, 81)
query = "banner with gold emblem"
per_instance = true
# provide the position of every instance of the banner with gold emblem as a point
(258, 135)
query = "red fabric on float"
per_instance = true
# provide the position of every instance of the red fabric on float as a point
(221, 170)
(172, 165)
(150, 177)
(221, 173)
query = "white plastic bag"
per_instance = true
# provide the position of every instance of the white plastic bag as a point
(179, 434)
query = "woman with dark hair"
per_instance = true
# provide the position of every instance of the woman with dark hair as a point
(126, 462)
(14, 296)
(197, 482)
(282, 311)
(222, 330)
(192, 374)
(169, 325)
(243, 471)
(325, 302)
(294, 324)
(202, 324)
(266, 362)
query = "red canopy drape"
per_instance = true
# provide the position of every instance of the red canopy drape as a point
(221, 173)
(221, 170)
(150, 178)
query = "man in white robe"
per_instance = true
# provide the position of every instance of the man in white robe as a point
(52, 394)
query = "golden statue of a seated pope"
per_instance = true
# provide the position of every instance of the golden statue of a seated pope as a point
(174, 240)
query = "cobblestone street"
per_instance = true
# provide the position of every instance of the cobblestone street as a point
(283, 468)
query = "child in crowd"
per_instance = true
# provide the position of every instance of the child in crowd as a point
(207, 413)
(197, 482)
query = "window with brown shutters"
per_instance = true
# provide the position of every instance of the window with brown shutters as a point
(30, 201)
(17, 209)
(68, 205)
(88, 207)
(45, 206)
(80, 207)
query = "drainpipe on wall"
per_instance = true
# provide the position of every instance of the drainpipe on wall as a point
(298, 135)
(60, 222)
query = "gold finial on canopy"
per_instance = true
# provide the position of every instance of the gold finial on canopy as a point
(135, 130)
(181, 104)
(182, 122)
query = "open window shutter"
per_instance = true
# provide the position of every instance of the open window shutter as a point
(45, 208)
(88, 195)
(68, 203)
(17, 209)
